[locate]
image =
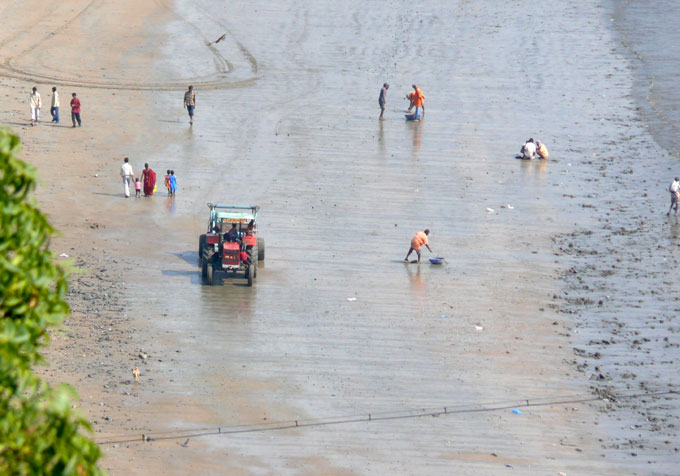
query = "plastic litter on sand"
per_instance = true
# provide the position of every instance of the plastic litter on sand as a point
(516, 411)
(351, 299)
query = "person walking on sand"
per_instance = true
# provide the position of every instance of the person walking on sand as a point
(418, 101)
(190, 103)
(149, 180)
(128, 175)
(382, 99)
(173, 183)
(54, 109)
(75, 110)
(416, 242)
(674, 189)
(167, 181)
(36, 104)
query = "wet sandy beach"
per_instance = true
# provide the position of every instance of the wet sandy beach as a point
(287, 119)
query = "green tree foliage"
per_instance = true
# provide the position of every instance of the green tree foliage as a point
(39, 431)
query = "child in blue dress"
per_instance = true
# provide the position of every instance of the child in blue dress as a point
(173, 182)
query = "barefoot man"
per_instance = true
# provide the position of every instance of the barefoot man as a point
(190, 103)
(417, 241)
(382, 99)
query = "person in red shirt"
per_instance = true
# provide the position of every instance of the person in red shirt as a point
(75, 110)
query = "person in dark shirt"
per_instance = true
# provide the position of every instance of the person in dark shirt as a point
(382, 99)
(232, 234)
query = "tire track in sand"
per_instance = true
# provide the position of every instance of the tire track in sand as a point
(8, 67)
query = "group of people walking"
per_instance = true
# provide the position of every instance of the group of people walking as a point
(147, 181)
(35, 102)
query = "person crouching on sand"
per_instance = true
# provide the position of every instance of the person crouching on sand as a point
(416, 242)
(542, 150)
(528, 150)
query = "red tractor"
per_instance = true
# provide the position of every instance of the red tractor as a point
(231, 244)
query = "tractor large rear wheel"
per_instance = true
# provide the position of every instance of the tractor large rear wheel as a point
(260, 249)
(210, 274)
(250, 274)
(201, 245)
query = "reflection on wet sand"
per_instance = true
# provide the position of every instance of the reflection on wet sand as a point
(418, 286)
(417, 136)
(534, 169)
(674, 227)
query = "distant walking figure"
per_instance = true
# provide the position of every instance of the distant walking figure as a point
(75, 110)
(674, 189)
(382, 99)
(149, 180)
(54, 109)
(127, 174)
(190, 103)
(416, 242)
(36, 104)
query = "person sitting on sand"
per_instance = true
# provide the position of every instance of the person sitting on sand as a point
(416, 242)
(674, 189)
(528, 149)
(542, 150)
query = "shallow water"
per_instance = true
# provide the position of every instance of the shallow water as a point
(341, 196)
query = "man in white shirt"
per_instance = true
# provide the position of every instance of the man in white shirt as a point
(529, 149)
(127, 174)
(36, 104)
(674, 189)
(54, 110)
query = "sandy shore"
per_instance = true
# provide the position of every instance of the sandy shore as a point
(286, 119)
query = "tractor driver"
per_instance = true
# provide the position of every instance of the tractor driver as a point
(232, 234)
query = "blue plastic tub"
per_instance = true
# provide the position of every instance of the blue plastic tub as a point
(437, 260)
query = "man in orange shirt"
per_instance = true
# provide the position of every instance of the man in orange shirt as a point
(418, 100)
(417, 241)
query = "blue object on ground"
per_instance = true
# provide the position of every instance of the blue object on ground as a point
(516, 411)
(413, 117)
(437, 260)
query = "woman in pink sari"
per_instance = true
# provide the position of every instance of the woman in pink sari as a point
(149, 180)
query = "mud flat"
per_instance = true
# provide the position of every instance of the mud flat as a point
(337, 327)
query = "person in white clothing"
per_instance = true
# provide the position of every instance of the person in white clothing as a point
(54, 109)
(528, 149)
(36, 104)
(127, 174)
(674, 189)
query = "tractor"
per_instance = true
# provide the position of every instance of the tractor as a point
(231, 244)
